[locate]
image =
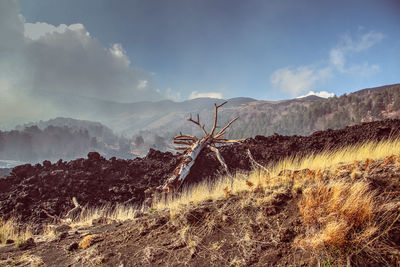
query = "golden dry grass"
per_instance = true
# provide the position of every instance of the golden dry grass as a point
(117, 213)
(342, 215)
(368, 151)
(339, 213)
(9, 230)
(23, 260)
(87, 241)
(283, 173)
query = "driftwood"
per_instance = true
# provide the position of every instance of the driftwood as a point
(74, 212)
(193, 146)
(255, 163)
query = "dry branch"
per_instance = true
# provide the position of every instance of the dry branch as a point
(255, 163)
(193, 146)
(222, 132)
(198, 123)
(74, 213)
(220, 158)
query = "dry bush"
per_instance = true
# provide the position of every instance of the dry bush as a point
(344, 218)
(11, 230)
(338, 212)
(87, 241)
(337, 200)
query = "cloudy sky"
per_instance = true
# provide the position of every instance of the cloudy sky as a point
(129, 51)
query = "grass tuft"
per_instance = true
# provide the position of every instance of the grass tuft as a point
(340, 213)
(87, 241)
(11, 230)
(117, 213)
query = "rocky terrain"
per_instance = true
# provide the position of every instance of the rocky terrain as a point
(36, 193)
(257, 227)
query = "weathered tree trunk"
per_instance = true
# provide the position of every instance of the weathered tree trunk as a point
(193, 147)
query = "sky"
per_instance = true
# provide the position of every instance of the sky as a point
(129, 51)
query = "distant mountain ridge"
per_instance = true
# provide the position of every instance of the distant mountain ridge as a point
(153, 124)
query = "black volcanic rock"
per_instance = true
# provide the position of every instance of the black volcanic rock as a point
(93, 156)
(37, 193)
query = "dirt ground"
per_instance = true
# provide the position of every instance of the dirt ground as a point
(247, 229)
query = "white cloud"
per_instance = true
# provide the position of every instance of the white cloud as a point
(196, 94)
(364, 69)
(299, 80)
(37, 30)
(143, 84)
(295, 81)
(349, 45)
(337, 59)
(40, 60)
(323, 94)
(119, 52)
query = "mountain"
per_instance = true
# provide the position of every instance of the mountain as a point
(299, 116)
(289, 117)
(139, 126)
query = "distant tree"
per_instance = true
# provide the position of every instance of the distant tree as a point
(159, 142)
(139, 140)
(378, 106)
(93, 142)
(396, 104)
(33, 130)
(1, 141)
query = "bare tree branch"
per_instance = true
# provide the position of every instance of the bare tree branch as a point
(216, 117)
(185, 137)
(228, 141)
(222, 132)
(183, 143)
(255, 163)
(198, 123)
(181, 148)
(220, 158)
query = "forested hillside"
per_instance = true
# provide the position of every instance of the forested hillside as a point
(298, 117)
(143, 129)
(33, 144)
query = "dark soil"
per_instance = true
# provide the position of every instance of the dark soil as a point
(235, 231)
(32, 193)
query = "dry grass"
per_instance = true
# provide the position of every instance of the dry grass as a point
(117, 213)
(11, 230)
(313, 167)
(87, 241)
(330, 158)
(344, 218)
(23, 260)
(339, 213)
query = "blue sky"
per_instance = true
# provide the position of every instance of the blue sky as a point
(270, 50)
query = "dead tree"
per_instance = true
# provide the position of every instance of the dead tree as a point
(75, 212)
(192, 146)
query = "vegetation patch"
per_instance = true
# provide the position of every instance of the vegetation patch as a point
(11, 230)
(88, 241)
(295, 172)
